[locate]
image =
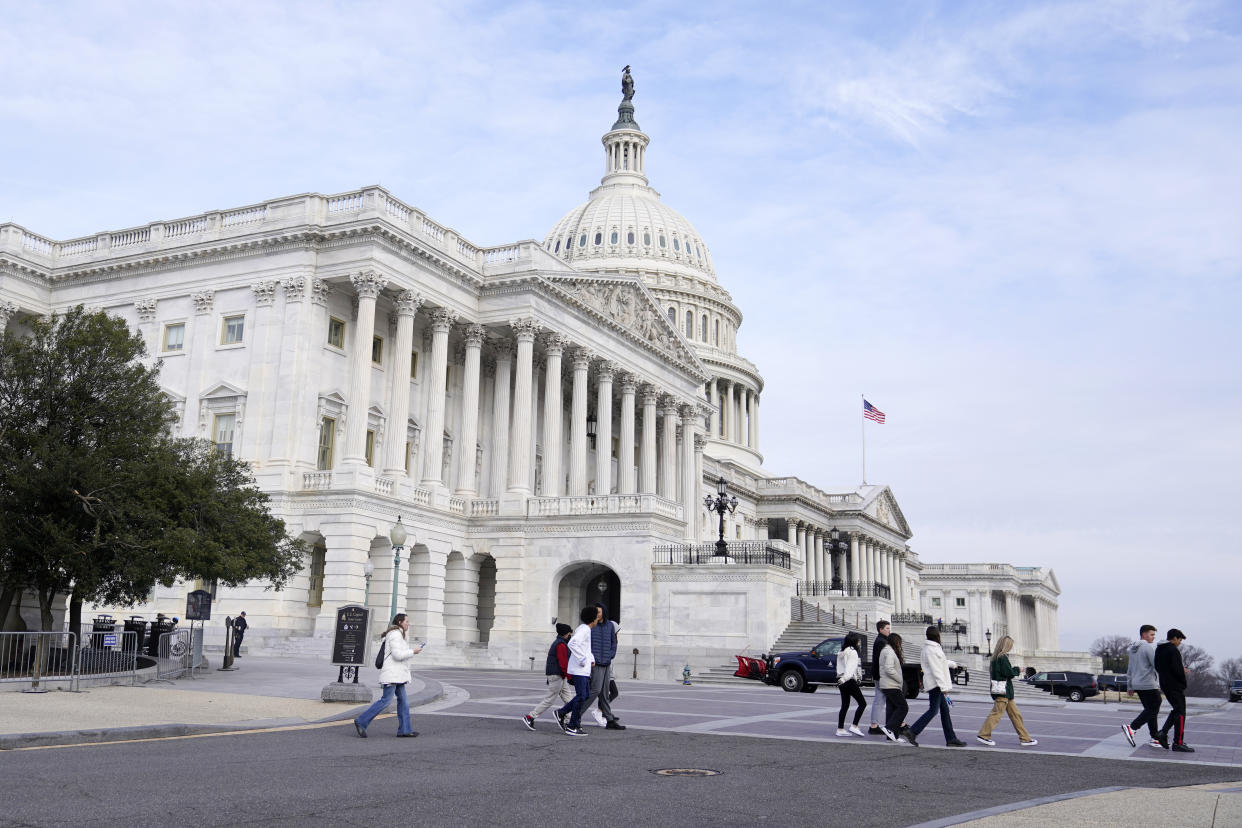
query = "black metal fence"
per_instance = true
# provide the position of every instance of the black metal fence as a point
(911, 618)
(738, 552)
(844, 589)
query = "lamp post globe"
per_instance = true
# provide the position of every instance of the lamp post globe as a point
(397, 536)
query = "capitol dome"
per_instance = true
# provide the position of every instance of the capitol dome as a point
(624, 225)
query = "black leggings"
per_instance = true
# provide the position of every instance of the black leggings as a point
(895, 702)
(850, 689)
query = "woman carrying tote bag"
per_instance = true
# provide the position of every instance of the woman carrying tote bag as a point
(1002, 674)
(394, 676)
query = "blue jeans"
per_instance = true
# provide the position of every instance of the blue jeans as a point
(403, 709)
(938, 703)
(575, 706)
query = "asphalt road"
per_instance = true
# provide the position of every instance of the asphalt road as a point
(471, 770)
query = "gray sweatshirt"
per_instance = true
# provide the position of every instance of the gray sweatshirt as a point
(1142, 669)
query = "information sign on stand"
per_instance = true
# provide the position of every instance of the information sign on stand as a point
(198, 606)
(349, 644)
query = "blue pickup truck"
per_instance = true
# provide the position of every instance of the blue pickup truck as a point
(803, 672)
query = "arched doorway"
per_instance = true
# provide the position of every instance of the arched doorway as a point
(584, 584)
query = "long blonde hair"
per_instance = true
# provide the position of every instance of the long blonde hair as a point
(395, 625)
(1003, 646)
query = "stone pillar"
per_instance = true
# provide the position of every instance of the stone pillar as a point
(1011, 620)
(368, 284)
(8, 310)
(553, 477)
(625, 440)
(800, 545)
(407, 303)
(500, 419)
(726, 412)
(902, 588)
(700, 443)
(603, 428)
(754, 421)
(468, 440)
(442, 320)
(426, 593)
(461, 598)
(524, 331)
(853, 573)
(689, 487)
(647, 460)
(294, 412)
(577, 425)
(713, 422)
(145, 309)
(668, 450)
(820, 564)
(739, 423)
(745, 418)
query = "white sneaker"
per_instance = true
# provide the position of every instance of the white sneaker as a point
(984, 741)
(854, 729)
(892, 737)
(1154, 743)
(1129, 733)
(1031, 743)
(842, 731)
(599, 718)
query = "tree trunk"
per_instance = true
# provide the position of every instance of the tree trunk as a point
(75, 616)
(7, 594)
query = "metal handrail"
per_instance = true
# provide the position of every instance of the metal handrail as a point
(739, 552)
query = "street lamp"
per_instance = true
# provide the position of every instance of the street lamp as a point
(368, 569)
(836, 544)
(957, 632)
(720, 504)
(397, 536)
(592, 428)
(988, 636)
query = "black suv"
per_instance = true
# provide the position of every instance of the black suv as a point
(1113, 681)
(1235, 690)
(1077, 686)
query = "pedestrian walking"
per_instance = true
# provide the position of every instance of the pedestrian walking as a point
(579, 670)
(604, 649)
(882, 629)
(1142, 679)
(849, 675)
(1002, 674)
(1172, 675)
(939, 683)
(556, 668)
(394, 676)
(239, 632)
(892, 684)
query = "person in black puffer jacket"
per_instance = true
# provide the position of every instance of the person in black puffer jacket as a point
(1172, 675)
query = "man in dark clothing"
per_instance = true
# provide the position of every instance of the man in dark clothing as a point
(882, 629)
(1172, 674)
(604, 648)
(239, 632)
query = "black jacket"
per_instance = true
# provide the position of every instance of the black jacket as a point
(1169, 667)
(881, 641)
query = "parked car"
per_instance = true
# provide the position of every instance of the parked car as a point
(1113, 681)
(1235, 690)
(803, 672)
(1075, 686)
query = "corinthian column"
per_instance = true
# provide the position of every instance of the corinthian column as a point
(553, 477)
(407, 303)
(647, 461)
(500, 418)
(754, 420)
(577, 424)
(713, 422)
(689, 486)
(668, 450)
(7, 311)
(468, 443)
(442, 320)
(603, 429)
(625, 440)
(524, 331)
(368, 285)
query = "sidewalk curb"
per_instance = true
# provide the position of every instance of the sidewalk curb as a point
(432, 691)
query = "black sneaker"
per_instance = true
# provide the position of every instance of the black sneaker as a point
(908, 735)
(560, 721)
(614, 725)
(1183, 749)
(529, 722)
(1163, 739)
(574, 731)
(956, 743)
(362, 731)
(875, 730)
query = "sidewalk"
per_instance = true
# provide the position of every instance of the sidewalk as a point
(262, 692)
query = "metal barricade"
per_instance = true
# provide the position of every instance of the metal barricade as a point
(175, 655)
(38, 658)
(109, 656)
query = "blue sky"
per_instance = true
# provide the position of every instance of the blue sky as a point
(1016, 226)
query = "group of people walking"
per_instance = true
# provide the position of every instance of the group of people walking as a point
(578, 671)
(1154, 669)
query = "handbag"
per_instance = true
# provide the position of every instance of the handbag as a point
(1000, 687)
(379, 657)
(613, 692)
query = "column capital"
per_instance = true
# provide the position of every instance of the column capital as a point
(628, 383)
(502, 349)
(605, 371)
(264, 292)
(294, 287)
(700, 443)
(474, 336)
(651, 394)
(525, 329)
(319, 291)
(582, 358)
(144, 307)
(442, 320)
(555, 343)
(368, 284)
(203, 301)
(669, 405)
(408, 302)
(689, 413)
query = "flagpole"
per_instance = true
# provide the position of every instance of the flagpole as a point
(862, 427)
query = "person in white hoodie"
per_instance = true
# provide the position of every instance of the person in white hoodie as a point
(1141, 671)
(939, 683)
(394, 676)
(849, 676)
(581, 660)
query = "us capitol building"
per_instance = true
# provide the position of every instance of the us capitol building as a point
(546, 419)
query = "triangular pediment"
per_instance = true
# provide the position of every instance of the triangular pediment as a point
(626, 303)
(882, 507)
(222, 391)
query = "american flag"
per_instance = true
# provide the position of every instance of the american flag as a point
(872, 413)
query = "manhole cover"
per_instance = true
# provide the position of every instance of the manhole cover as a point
(686, 772)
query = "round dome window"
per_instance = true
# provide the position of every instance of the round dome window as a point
(629, 237)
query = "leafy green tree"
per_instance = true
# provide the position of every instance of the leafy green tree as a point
(97, 500)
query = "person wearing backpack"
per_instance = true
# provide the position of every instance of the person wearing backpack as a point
(557, 671)
(1002, 674)
(395, 655)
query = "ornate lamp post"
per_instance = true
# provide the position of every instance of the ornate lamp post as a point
(592, 428)
(988, 636)
(836, 544)
(957, 632)
(720, 504)
(368, 569)
(397, 536)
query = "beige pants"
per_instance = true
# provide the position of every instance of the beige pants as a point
(1004, 705)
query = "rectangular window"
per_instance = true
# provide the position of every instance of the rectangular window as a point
(377, 350)
(935, 602)
(222, 432)
(327, 437)
(960, 602)
(174, 336)
(414, 365)
(703, 328)
(232, 330)
(370, 451)
(319, 560)
(336, 333)
(407, 456)
(717, 327)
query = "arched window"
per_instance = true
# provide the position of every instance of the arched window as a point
(613, 238)
(599, 237)
(676, 245)
(582, 240)
(672, 315)
(661, 240)
(703, 328)
(558, 246)
(689, 324)
(629, 237)
(717, 333)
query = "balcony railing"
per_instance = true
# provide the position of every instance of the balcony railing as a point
(845, 589)
(911, 618)
(739, 552)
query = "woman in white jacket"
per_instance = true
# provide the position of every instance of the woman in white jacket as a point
(849, 675)
(939, 682)
(394, 676)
